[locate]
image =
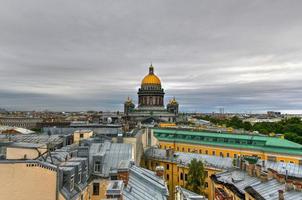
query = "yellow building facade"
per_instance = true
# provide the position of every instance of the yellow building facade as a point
(81, 135)
(229, 145)
(176, 174)
(228, 152)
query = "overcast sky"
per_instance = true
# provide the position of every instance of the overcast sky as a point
(245, 56)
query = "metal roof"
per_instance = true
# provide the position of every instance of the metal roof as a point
(263, 143)
(268, 190)
(143, 184)
(185, 158)
(112, 153)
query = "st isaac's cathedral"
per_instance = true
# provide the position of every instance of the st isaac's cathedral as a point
(151, 106)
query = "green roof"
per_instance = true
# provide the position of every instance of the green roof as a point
(253, 142)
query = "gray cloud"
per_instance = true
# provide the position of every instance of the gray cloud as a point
(79, 55)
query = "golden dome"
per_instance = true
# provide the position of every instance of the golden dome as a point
(151, 78)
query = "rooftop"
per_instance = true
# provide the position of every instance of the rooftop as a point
(218, 162)
(143, 184)
(267, 190)
(254, 142)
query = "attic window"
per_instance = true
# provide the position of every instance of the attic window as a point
(97, 166)
(71, 182)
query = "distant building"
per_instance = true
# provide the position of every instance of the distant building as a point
(81, 135)
(14, 130)
(23, 122)
(151, 106)
(273, 114)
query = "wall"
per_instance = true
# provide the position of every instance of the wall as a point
(18, 153)
(18, 181)
(86, 134)
(173, 175)
(202, 149)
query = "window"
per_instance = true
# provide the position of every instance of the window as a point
(72, 182)
(181, 176)
(177, 148)
(221, 154)
(167, 176)
(200, 151)
(272, 158)
(97, 166)
(186, 177)
(206, 151)
(235, 155)
(206, 184)
(213, 153)
(167, 167)
(281, 160)
(81, 135)
(206, 174)
(183, 149)
(80, 176)
(96, 188)
(237, 141)
(225, 140)
(291, 161)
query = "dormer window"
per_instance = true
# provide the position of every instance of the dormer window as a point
(71, 182)
(97, 166)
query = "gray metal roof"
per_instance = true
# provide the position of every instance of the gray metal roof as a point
(269, 190)
(184, 158)
(238, 178)
(143, 184)
(189, 195)
(112, 153)
(35, 138)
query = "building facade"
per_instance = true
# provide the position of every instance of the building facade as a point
(230, 145)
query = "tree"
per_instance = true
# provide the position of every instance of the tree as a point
(196, 176)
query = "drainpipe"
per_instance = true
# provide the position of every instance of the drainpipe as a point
(57, 183)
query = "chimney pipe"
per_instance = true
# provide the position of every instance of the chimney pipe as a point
(281, 194)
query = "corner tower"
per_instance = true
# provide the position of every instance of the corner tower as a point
(151, 93)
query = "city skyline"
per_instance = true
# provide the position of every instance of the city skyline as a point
(91, 55)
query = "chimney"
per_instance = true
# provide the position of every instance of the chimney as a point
(263, 177)
(258, 170)
(289, 185)
(271, 173)
(280, 178)
(159, 171)
(298, 186)
(169, 153)
(251, 169)
(281, 194)
(263, 164)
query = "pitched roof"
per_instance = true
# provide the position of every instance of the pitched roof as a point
(253, 142)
